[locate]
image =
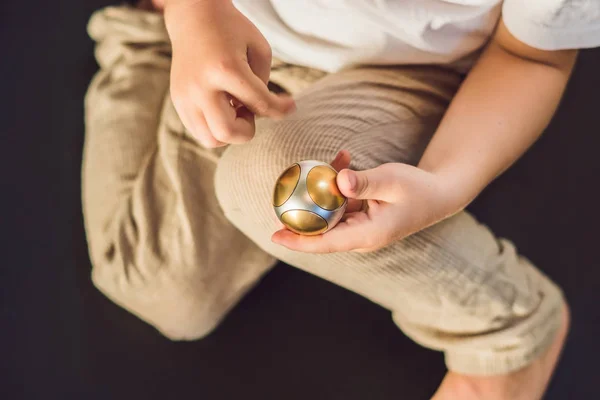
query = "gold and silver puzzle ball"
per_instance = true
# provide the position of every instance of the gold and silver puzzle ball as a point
(306, 198)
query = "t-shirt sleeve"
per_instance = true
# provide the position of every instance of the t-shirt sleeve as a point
(554, 24)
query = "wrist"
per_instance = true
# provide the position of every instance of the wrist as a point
(460, 179)
(430, 197)
(458, 189)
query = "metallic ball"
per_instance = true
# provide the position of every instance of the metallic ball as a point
(306, 198)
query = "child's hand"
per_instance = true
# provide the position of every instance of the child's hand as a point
(401, 199)
(220, 70)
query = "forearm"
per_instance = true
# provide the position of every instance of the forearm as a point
(502, 107)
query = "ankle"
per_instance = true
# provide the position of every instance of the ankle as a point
(457, 386)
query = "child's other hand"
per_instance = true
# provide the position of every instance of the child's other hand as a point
(220, 70)
(401, 199)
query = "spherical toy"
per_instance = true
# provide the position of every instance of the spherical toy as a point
(306, 198)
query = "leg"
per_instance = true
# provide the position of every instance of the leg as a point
(452, 287)
(528, 383)
(159, 242)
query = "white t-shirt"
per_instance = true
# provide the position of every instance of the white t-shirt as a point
(334, 34)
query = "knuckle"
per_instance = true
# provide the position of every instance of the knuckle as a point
(220, 71)
(233, 135)
(209, 144)
(225, 134)
(240, 139)
(225, 66)
(262, 45)
(266, 52)
(363, 188)
(262, 106)
(208, 141)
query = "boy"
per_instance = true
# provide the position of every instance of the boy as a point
(180, 226)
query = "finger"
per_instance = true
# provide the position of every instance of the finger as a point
(226, 123)
(341, 160)
(254, 93)
(259, 58)
(360, 234)
(378, 183)
(197, 127)
(203, 134)
(355, 216)
(355, 205)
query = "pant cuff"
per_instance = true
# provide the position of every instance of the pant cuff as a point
(494, 361)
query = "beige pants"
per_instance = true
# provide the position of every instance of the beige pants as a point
(178, 233)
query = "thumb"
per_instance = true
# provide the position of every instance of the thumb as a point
(373, 184)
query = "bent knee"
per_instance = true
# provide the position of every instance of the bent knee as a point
(176, 313)
(246, 174)
(185, 330)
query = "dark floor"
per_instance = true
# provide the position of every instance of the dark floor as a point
(294, 336)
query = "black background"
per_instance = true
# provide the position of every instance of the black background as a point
(294, 336)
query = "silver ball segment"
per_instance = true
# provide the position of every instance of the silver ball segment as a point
(306, 198)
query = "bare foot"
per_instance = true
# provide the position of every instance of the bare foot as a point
(529, 383)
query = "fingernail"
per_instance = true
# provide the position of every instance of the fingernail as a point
(337, 157)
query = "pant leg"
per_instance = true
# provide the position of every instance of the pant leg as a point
(454, 287)
(159, 243)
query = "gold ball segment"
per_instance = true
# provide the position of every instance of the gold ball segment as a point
(306, 198)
